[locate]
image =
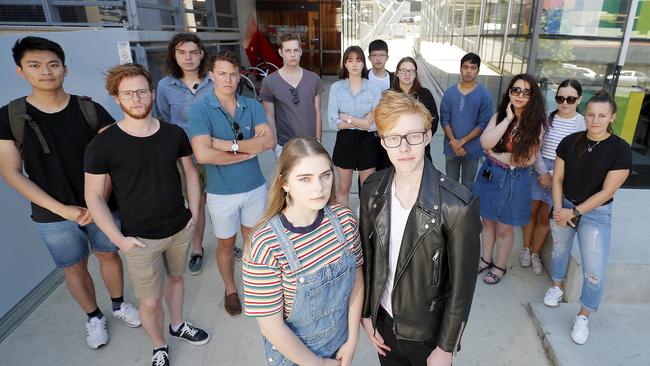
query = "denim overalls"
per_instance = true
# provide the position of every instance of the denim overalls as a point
(319, 316)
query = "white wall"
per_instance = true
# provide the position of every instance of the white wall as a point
(24, 260)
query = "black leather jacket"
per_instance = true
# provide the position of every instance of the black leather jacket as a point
(436, 269)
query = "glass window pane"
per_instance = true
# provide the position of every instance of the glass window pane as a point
(585, 18)
(21, 13)
(641, 28)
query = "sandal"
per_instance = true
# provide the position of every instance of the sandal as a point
(493, 278)
(489, 265)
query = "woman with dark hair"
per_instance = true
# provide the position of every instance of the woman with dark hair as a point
(351, 101)
(407, 82)
(563, 121)
(511, 140)
(589, 168)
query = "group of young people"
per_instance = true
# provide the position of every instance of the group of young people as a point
(314, 273)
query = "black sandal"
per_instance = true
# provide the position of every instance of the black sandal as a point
(495, 278)
(489, 265)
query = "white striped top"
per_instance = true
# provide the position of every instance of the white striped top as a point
(561, 128)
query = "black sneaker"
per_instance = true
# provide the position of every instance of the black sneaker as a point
(160, 357)
(191, 334)
(196, 264)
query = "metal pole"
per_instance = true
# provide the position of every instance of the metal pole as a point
(532, 54)
(622, 55)
(462, 27)
(505, 38)
(481, 19)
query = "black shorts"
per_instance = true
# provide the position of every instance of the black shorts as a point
(355, 149)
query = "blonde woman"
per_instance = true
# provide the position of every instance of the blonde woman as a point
(302, 278)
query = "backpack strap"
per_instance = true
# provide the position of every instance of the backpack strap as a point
(88, 110)
(18, 117)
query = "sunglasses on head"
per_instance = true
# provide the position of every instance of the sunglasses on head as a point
(239, 134)
(569, 100)
(294, 94)
(517, 92)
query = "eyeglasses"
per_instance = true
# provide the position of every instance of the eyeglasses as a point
(407, 71)
(378, 55)
(128, 94)
(294, 94)
(413, 138)
(569, 100)
(517, 92)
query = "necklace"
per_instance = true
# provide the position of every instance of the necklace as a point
(590, 148)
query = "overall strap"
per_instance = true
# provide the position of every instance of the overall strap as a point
(285, 244)
(338, 229)
(18, 117)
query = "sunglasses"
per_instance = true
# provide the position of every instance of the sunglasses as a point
(569, 100)
(294, 94)
(239, 134)
(517, 92)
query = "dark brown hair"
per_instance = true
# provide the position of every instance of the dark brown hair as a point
(343, 72)
(527, 139)
(170, 59)
(115, 75)
(416, 83)
(225, 55)
(286, 37)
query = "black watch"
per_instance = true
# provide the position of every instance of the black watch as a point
(576, 212)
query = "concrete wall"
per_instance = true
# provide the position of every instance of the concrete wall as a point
(24, 260)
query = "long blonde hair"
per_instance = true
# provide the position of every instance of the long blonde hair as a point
(292, 152)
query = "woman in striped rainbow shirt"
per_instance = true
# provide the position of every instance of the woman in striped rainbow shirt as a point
(303, 280)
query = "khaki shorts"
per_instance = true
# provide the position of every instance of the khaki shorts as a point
(202, 177)
(149, 266)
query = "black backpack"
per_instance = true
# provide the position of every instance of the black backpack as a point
(18, 118)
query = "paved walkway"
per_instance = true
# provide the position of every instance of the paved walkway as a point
(500, 330)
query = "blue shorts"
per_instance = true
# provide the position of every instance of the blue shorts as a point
(537, 192)
(504, 198)
(68, 242)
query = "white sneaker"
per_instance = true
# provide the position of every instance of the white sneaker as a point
(128, 314)
(553, 296)
(96, 332)
(580, 331)
(524, 257)
(537, 263)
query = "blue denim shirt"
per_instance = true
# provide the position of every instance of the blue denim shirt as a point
(174, 99)
(341, 100)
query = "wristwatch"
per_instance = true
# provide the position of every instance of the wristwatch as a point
(576, 212)
(234, 147)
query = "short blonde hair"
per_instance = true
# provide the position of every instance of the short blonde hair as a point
(393, 105)
(115, 75)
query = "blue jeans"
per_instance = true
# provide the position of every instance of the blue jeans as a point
(319, 316)
(68, 242)
(454, 165)
(594, 237)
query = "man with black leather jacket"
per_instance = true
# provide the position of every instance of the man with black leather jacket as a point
(420, 234)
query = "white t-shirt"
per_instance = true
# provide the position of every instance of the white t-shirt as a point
(383, 83)
(398, 217)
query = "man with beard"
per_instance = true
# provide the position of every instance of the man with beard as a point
(52, 145)
(139, 154)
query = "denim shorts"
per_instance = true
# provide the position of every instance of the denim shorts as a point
(505, 197)
(537, 192)
(68, 242)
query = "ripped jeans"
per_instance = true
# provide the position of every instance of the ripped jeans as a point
(594, 237)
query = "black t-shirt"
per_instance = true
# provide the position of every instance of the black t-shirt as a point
(145, 178)
(584, 171)
(59, 173)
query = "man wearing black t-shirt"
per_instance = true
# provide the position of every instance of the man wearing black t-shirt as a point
(139, 154)
(52, 156)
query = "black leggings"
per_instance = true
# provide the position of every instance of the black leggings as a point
(402, 353)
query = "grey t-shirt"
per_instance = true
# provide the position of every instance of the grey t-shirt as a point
(294, 116)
